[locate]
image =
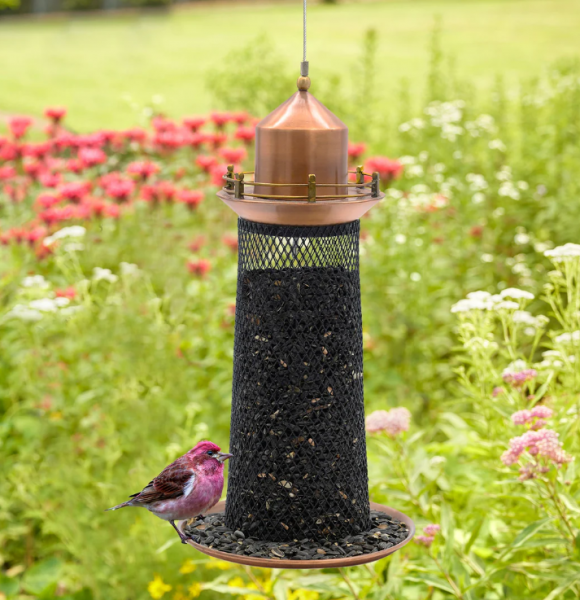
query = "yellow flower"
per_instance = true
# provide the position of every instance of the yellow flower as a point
(157, 588)
(188, 567)
(214, 563)
(179, 596)
(236, 582)
(301, 594)
(195, 589)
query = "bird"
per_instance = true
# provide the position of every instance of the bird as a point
(187, 488)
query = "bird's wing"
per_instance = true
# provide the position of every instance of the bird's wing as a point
(174, 481)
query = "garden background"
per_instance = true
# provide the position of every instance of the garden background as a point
(118, 275)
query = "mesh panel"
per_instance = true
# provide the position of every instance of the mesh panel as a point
(297, 433)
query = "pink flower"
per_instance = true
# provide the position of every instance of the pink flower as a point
(197, 243)
(120, 190)
(497, 391)
(356, 150)
(91, 157)
(542, 412)
(68, 292)
(206, 162)
(245, 134)
(240, 117)
(216, 139)
(37, 150)
(7, 172)
(50, 180)
(233, 155)
(160, 191)
(431, 529)
(542, 443)
(46, 200)
(55, 113)
(143, 169)
(387, 168)
(199, 267)
(193, 123)
(19, 126)
(522, 417)
(217, 173)
(393, 422)
(424, 540)
(519, 378)
(136, 135)
(220, 119)
(191, 198)
(75, 190)
(231, 241)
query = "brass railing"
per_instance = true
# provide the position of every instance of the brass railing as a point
(236, 182)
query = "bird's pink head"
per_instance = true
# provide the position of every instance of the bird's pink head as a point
(208, 456)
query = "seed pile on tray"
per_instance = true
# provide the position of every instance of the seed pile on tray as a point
(212, 532)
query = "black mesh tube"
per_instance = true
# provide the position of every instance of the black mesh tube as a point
(297, 432)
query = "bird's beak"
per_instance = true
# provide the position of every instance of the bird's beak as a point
(223, 456)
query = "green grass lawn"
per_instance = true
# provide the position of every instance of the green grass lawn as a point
(90, 63)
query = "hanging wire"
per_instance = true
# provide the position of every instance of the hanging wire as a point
(304, 63)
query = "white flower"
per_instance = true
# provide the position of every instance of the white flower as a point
(100, 274)
(72, 231)
(516, 294)
(60, 302)
(44, 305)
(35, 281)
(24, 313)
(479, 295)
(522, 239)
(477, 182)
(497, 145)
(526, 318)
(415, 277)
(506, 305)
(563, 253)
(71, 310)
(400, 238)
(515, 367)
(568, 338)
(478, 198)
(128, 269)
(414, 171)
(467, 305)
(487, 258)
(73, 247)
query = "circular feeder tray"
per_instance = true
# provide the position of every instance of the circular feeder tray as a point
(330, 563)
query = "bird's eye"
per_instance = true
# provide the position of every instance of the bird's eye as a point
(210, 452)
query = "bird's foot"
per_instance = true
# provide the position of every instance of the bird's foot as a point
(193, 538)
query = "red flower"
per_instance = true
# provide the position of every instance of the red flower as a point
(120, 189)
(136, 135)
(75, 190)
(143, 169)
(35, 234)
(191, 198)
(68, 292)
(55, 113)
(19, 126)
(46, 200)
(171, 139)
(50, 180)
(233, 155)
(216, 139)
(217, 174)
(387, 168)
(32, 168)
(206, 162)
(246, 134)
(37, 150)
(75, 165)
(8, 151)
(161, 191)
(356, 150)
(7, 172)
(91, 157)
(231, 241)
(197, 243)
(240, 117)
(220, 119)
(199, 267)
(194, 123)
(476, 231)
(197, 139)
(161, 124)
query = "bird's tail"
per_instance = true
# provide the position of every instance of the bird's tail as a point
(122, 505)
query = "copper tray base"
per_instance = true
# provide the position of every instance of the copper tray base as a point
(271, 563)
(300, 212)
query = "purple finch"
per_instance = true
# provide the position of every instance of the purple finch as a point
(187, 488)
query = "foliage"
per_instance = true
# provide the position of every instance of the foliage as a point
(98, 391)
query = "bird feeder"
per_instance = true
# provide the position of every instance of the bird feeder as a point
(299, 467)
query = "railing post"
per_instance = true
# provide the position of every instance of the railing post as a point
(360, 178)
(230, 175)
(375, 185)
(311, 188)
(239, 186)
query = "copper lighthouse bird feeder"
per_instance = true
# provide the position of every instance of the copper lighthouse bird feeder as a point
(298, 481)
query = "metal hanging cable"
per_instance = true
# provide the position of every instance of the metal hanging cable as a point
(304, 63)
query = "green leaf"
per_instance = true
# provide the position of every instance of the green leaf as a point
(474, 535)
(8, 585)
(561, 589)
(432, 581)
(526, 534)
(41, 575)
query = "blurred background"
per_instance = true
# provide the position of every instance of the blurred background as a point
(118, 282)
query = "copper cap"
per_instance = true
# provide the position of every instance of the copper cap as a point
(299, 138)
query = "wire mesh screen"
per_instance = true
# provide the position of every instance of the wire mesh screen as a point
(297, 433)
